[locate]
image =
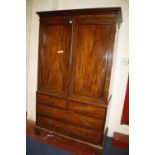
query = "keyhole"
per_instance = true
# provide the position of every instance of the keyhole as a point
(70, 22)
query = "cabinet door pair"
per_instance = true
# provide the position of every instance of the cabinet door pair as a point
(75, 56)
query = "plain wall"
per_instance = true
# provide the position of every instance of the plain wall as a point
(28, 33)
(119, 71)
(36, 5)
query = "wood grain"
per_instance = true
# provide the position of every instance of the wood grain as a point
(69, 116)
(51, 101)
(70, 130)
(54, 65)
(90, 58)
(74, 71)
(87, 109)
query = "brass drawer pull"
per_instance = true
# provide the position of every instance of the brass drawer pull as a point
(84, 122)
(85, 110)
(51, 101)
(49, 113)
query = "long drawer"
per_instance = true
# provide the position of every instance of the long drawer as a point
(70, 130)
(51, 101)
(70, 116)
(87, 109)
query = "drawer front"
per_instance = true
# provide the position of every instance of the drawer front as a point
(51, 101)
(69, 116)
(70, 130)
(87, 109)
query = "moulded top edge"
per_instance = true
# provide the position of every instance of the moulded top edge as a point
(113, 10)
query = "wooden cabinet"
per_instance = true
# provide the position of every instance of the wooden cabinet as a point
(74, 69)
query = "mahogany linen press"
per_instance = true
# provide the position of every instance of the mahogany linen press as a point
(74, 70)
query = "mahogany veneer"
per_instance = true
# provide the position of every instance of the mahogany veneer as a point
(74, 70)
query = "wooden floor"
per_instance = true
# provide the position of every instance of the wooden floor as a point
(56, 141)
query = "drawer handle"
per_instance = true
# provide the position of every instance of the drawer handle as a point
(85, 110)
(49, 113)
(51, 101)
(84, 122)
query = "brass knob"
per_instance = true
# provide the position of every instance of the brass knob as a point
(49, 113)
(85, 110)
(84, 122)
(51, 101)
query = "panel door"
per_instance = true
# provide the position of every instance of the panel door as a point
(54, 52)
(91, 53)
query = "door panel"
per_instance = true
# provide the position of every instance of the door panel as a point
(54, 53)
(90, 59)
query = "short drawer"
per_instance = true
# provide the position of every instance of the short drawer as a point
(71, 117)
(51, 101)
(87, 109)
(70, 130)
